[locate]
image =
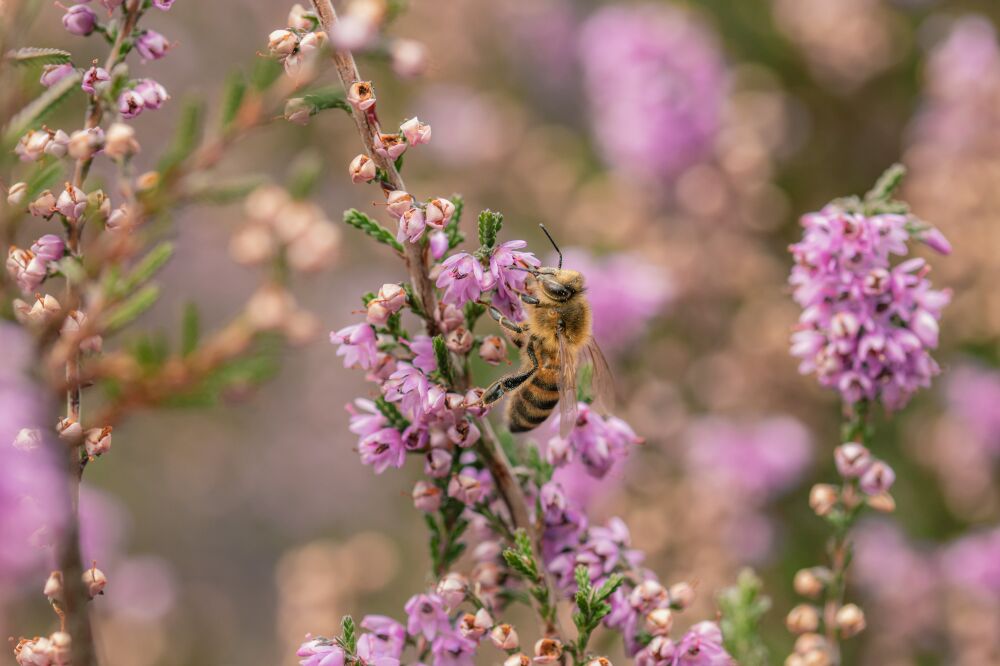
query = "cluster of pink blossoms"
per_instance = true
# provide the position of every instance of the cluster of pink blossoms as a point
(867, 326)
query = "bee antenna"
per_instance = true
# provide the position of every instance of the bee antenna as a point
(553, 241)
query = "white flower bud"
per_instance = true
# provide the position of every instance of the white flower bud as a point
(16, 194)
(548, 651)
(54, 586)
(252, 245)
(822, 498)
(97, 441)
(399, 202)
(504, 637)
(120, 141)
(270, 307)
(452, 589)
(362, 169)
(282, 43)
(95, 580)
(811, 582)
(803, 618)
(659, 621)
(850, 620)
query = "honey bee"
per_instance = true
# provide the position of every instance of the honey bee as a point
(554, 337)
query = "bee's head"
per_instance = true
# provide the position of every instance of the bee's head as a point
(559, 284)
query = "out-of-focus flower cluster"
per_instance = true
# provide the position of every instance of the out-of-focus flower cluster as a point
(867, 326)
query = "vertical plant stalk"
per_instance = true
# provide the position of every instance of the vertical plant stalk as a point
(416, 262)
(77, 597)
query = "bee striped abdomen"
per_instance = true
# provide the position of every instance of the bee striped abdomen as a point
(534, 401)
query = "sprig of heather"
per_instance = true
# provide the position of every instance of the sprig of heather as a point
(107, 256)
(866, 330)
(481, 493)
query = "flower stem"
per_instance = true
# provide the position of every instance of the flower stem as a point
(368, 128)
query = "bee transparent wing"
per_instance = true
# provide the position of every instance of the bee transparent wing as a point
(567, 387)
(602, 382)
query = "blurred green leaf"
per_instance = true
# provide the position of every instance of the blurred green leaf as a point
(38, 109)
(190, 329)
(305, 174)
(265, 73)
(147, 267)
(133, 306)
(743, 606)
(187, 136)
(38, 56)
(232, 100)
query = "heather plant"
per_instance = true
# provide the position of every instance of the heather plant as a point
(99, 233)
(521, 569)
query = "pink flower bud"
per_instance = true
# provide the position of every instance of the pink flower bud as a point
(463, 433)
(16, 194)
(95, 581)
(681, 595)
(878, 478)
(72, 202)
(153, 94)
(811, 582)
(84, 143)
(459, 340)
(411, 226)
(416, 132)
(59, 144)
(44, 205)
(74, 322)
(493, 349)
(850, 620)
(822, 498)
(80, 20)
(466, 489)
(355, 30)
(852, 459)
(48, 248)
(647, 595)
(934, 239)
(94, 80)
(504, 637)
(474, 404)
(130, 104)
(97, 441)
(548, 651)
(399, 202)
(476, 626)
(390, 146)
(659, 621)
(269, 307)
(25, 269)
(31, 147)
(439, 212)
(392, 296)
(120, 142)
(163, 5)
(452, 589)
(38, 651)
(281, 43)
(409, 58)
(599, 661)
(426, 497)
(42, 311)
(54, 586)
(361, 95)
(311, 43)
(438, 464)
(439, 243)
(28, 439)
(69, 430)
(151, 45)
(519, 659)
(53, 74)
(362, 169)
(801, 619)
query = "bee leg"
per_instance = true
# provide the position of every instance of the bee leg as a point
(530, 300)
(510, 382)
(504, 321)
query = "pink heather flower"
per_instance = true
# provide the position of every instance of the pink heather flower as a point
(416, 132)
(669, 83)
(466, 488)
(362, 169)
(152, 93)
(358, 346)
(409, 387)
(93, 78)
(320, 652)
(426, 497)
(53, 74)
(387, 638)
(878, 478)
(439, 244)
(621, 316)
(597, 441)
(452, 649)
(411, 226)
(151, 45)
(80, 20)
(72, 202)
(438, 213)
(506, 277)
(423, 348)
(702, 646)
(130, 104)
(426, 615)
(382, 449)
(48, 248)
(760, 459)
(27, 271)
(390, 146)
(852, 459)
(973, 562)
(163, 5)
(867, 327)
(365, 417)
(438, 464)
(461, 278)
